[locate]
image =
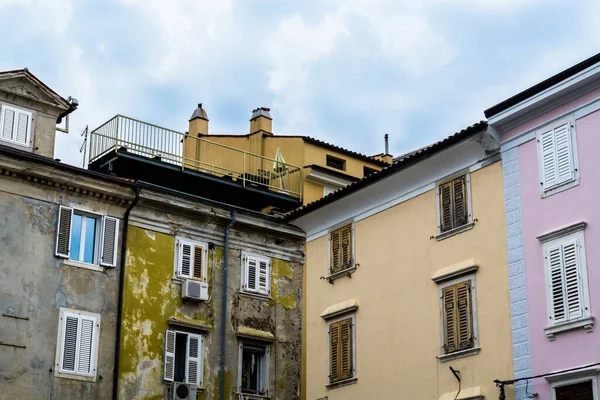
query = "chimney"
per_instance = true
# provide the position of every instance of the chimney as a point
(198, 122)
(261, 121)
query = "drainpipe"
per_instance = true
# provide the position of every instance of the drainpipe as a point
(224, 307)
(121, 286)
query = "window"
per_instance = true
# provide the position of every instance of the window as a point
(256, 274)
(368, 171)
(77, 348)
(454, 208)
(457, 303)
(340, 249)
(15, 125)
(578, 391)
(341, 350)
(253, 370)
(556, 156)
(566, 279)
(337, 163)
(184, 357)
(191, 259)
(87, 237)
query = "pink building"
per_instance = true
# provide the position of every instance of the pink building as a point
(550, 142)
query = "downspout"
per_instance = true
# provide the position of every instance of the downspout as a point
(224, 307)
(121, 288)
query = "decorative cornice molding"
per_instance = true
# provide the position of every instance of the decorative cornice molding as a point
(563, 231)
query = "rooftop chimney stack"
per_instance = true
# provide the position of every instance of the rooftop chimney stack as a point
(387, 145)
(198, 122)
(261, 121)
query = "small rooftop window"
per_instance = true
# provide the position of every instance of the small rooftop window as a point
(337, 163)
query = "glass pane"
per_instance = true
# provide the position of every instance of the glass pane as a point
(75, 237)
(252, 361)
(90, 233)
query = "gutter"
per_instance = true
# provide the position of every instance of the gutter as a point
(224, 307)
(121, 288)
(73, 104)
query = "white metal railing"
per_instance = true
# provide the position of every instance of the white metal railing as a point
(188, 152)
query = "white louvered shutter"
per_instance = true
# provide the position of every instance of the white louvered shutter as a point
(548, 150)
(69, 344)
(63, 232)
(169, 357)
(564, 153)
(8, 122)
(86, 344)
(251, 274)
(185, 260)
(110, 235)
(263, 278)
(557, 289)
(194, 360)
(23, 123)
(572, 278)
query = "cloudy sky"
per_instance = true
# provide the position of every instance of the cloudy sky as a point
(345, 71)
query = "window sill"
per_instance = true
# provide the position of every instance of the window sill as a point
(80, 264)
(455, 231)
(459, 354)
(75, 377)
(345, 382)
(586, 323)
(345, 272)
(560, 188)
(257, 296)
(249, 396)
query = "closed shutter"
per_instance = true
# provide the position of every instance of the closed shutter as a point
(169, 356)
(548, 153)
(556, 156)
(459, 193)
(250, 274)
(191, 260)
(346, 251)
(263, 277)
(565, 281)
(69, 345)
(22, 128)
(8, 122)
(335, 241)
(334, 352)
(198, 264)
(110, 234)
(185, 260)
(15, 125)
(446, 208)
(457, 317)
(63, 232)
(194, 360)
(578, 391)
(454, 207)
(77, 352)
(340, 351)
(86, 341)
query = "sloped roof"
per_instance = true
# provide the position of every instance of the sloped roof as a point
(399, 164)
(25, 73)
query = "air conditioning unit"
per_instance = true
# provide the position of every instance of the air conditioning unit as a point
(194, 290)
(183, 391)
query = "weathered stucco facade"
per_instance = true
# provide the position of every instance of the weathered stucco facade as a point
(35, 284)
(152, 301)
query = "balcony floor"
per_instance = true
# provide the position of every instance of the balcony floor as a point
(133, 166)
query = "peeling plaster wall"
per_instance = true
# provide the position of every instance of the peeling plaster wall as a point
(35, 284)
(152, 296)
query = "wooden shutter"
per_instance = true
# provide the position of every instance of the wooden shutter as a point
(194, 360)
(63, 232)
(554, 257)
(335, 241)
(578, 391)
(459, 194)
(263, 277)
(564, 153)
(198, 262)
(446, 207)
(548, 154)
(565, 281)
(8, 121)
(110, 234)
(457, 317)
(169, 356)
(340, 351)
(185, 260)
(572, 279)
(86, 343)
(334, 352)
(251, 273)
(21, 134)
(69, 343)
(346, 250)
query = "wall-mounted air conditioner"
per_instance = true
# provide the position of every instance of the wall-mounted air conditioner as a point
(194, 290)
(183, 391)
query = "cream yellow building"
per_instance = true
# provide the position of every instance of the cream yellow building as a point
(406, 281)
(324, 167)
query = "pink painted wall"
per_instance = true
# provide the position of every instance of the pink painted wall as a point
(580, 203)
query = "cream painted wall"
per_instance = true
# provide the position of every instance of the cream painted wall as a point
(398, 320)
(318, 155)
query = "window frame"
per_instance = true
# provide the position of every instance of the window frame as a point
(178, 256)
(576, 232)
(200, 337)
(265, 378)
(17, 110)
(354, 377)
(559, 187)
(243, 256)
(335, 159)
(443, 357)
(438, 214)
(97, 236)
(352, 267)
(58, 370)
(372, 171)
(574, 381)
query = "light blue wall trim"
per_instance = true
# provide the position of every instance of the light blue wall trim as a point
(516, 269)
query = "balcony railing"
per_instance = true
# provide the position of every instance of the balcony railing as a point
(192, 153)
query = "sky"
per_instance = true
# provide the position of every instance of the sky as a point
(344, 71)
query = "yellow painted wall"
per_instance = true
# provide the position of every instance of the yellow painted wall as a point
(318, 155)
(398, 320)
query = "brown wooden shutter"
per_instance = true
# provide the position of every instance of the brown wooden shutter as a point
(446, 207)
(460, 201)
(346, 349)
(449, 312)
(335, 251)
(346, 250)
(578, 391)
(198, 273)
(463, 312)
(334, 352)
